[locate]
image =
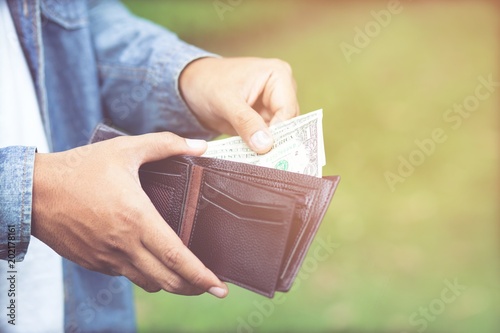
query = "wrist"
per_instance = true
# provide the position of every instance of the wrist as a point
(41, 192)
(192, 81)
(190, 72)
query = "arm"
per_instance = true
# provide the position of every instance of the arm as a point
(139, 67)
(145, 67)
(16, 183)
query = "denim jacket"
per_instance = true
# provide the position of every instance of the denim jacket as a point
(91, 60)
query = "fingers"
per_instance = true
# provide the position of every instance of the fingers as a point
(280, 94)
(157, 146)
(250, 126)
(172, 265)
(139, 279)
(283, 101)
(272, 96)
(150, 274)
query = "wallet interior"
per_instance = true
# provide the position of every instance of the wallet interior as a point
(238, 229)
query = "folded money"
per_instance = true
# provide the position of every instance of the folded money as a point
(298, 147)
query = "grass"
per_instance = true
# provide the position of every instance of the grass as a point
(396, 248)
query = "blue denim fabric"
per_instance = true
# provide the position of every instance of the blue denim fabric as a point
(92, 61)
(15, 197)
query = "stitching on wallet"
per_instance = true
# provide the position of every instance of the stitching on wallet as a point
(239, 201)
(240, 217)
(160, 173)
(156, 183)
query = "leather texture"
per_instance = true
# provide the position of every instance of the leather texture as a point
(251, 225)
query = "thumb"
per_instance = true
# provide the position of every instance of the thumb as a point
(157, 146)
(250, 126)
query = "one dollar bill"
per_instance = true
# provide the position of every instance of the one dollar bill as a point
(298, 146)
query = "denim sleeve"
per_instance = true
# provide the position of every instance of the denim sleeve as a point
(16, 184)
(139, 66)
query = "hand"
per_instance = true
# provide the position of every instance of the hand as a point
(94, 212)
(240, 95)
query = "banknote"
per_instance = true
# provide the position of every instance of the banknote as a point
(298, 146)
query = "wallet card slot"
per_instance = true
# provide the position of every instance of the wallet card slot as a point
(256, 212)
(242, 252)
(166, 174)
(165, 190)
(240, 230)
(242, 218)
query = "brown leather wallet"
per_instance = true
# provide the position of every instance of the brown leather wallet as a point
(250, 225)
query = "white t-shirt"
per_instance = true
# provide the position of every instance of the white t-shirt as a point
(39, 295)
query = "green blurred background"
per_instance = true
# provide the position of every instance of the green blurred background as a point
(396, 252)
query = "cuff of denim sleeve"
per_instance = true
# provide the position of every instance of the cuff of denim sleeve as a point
(16, 189)
(184, 55)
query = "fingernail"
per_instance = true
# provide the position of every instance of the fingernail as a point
(261, 140)
(196, 144)
(217, 292)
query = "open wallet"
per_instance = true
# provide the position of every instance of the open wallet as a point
(250, 225)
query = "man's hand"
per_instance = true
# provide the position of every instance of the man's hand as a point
(240, 95)
(93, 211)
